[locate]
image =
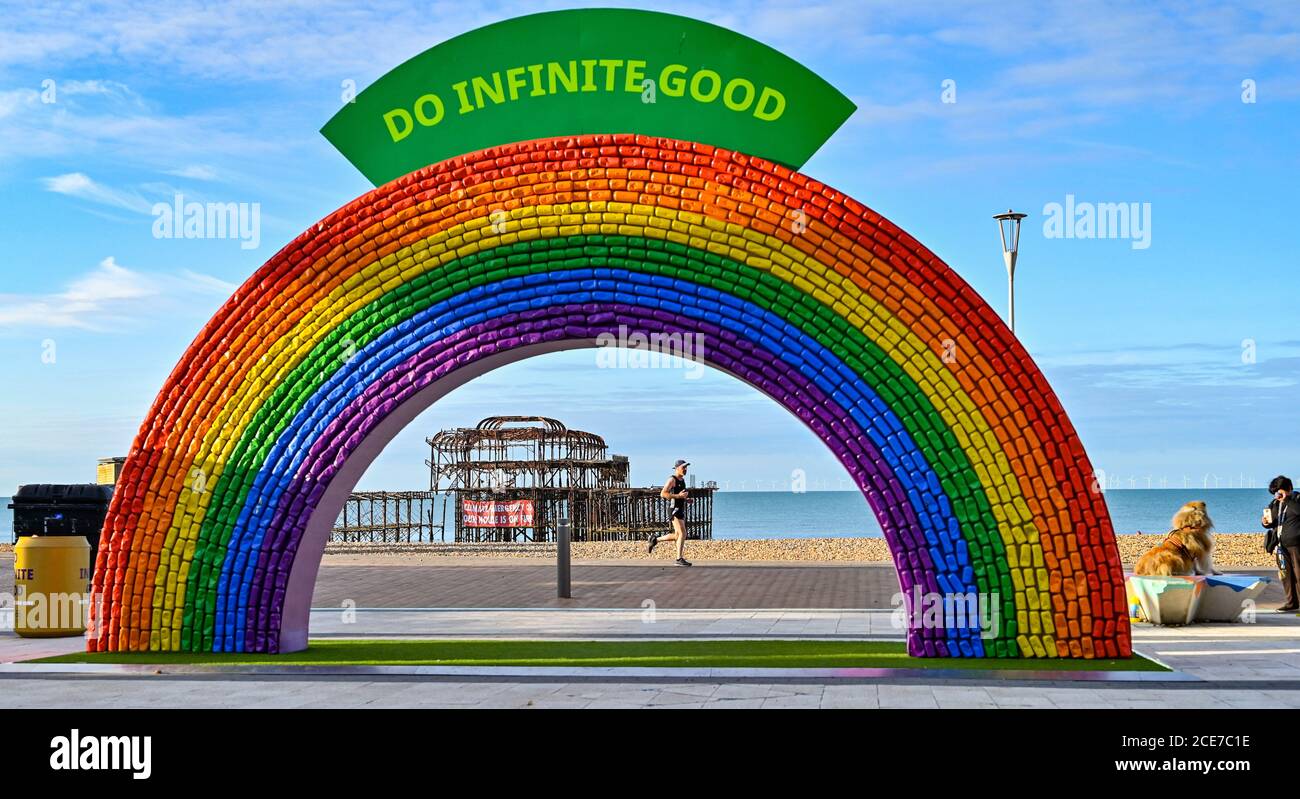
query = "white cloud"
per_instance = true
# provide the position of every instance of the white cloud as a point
(216, 285)
(1183, 354)
(80, 185)
(15, 100)
(1046, 68)
(108, 119)
(109, 283)
(283, 42)
(110, 88)
(1202, 376)
(242, 40)
(105, 298)
(194, 172)
(42, 40)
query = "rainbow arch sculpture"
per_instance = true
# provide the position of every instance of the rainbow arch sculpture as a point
(224, 506)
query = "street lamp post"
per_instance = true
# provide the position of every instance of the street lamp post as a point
(1009, 227)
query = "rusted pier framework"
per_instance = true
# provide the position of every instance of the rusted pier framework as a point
(561, 472)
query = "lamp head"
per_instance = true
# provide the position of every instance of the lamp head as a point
(1009, 228)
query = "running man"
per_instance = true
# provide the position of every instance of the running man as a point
(675, 489)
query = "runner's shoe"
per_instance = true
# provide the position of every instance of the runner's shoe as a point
(682, 562)
(654, 539)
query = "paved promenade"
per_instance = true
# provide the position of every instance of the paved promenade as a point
(1238, 665)
(1223, 665)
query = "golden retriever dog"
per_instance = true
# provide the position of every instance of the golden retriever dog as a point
(1187, 550)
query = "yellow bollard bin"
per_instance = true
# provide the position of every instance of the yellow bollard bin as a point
(51, 585)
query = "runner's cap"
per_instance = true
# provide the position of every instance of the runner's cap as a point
(681, 462)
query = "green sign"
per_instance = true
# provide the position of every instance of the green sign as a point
(566, 73)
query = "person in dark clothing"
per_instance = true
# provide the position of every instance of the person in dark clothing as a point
(1282, 519)
(675, 489)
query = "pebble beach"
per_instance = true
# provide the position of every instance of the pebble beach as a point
(1231, 550)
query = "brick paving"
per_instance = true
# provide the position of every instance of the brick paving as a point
(465, 583)
(469, 582)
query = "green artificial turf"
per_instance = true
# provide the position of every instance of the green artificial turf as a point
(697, 654)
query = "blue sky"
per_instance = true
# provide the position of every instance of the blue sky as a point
(1105, 102)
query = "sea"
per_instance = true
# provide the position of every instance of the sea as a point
(835, 514)
(845, 514)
